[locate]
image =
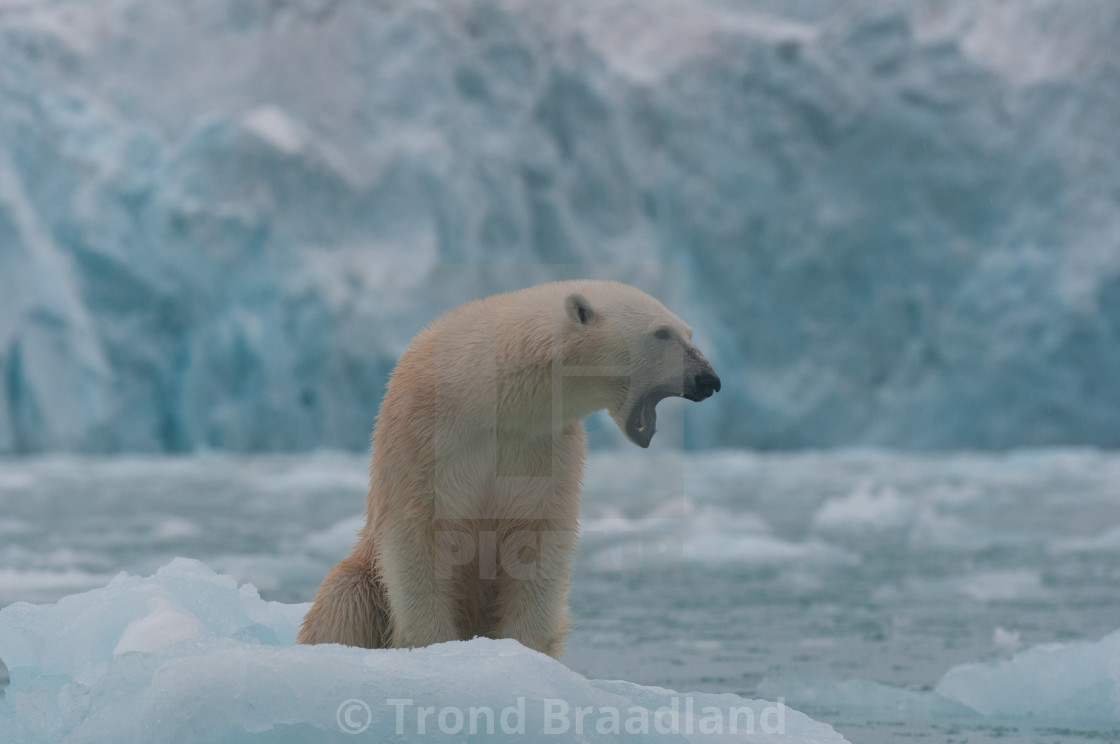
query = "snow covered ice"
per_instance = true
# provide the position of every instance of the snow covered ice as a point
(187, 655)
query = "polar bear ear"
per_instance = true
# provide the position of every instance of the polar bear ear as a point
(579, 309)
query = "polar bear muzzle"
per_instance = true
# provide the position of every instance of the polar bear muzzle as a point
(698, 383)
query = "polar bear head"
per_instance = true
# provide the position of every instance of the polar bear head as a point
(634, 352)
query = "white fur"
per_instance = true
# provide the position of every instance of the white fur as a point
(479, 447)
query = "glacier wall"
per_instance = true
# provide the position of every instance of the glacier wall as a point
(890, 223)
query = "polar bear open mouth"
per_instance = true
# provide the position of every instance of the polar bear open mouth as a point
(641, 425)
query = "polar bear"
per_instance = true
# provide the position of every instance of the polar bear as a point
(478, 455)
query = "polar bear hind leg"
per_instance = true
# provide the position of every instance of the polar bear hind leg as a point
(350, 607)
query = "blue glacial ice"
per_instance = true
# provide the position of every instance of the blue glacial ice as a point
(890, 222)
(188, 655)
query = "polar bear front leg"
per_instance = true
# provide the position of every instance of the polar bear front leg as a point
(533, 595)
(419, 589)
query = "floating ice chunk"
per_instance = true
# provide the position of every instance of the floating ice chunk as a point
(186, 655)
(34, 584)
(324, 471)
(10, 526)
(919, 515)
(658, 549)
(865, 510)
(668, 527)
(5, 679)
(271, 573)
(1075, 683)
(997, 586)
(274, 127)
(698, 534)
(1004, 639)
(16, 481)
(1104, 542)
(983, 586)
(860, 696)
(172, 527)
(335, 541)
(763, 549)
(934, 531)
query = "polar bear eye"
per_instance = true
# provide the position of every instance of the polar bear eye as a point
(663, 334)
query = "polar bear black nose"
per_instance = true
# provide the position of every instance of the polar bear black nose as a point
(706, 383)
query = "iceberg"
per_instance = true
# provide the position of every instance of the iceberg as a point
(188, 655)
(891, 223)
(1075, 684)
(1051, 686)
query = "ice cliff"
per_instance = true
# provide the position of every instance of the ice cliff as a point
(890, 224)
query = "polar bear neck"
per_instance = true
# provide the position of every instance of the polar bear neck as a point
(512, 366)
(546, 386)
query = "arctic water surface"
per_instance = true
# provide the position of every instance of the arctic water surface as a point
(858, 585)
